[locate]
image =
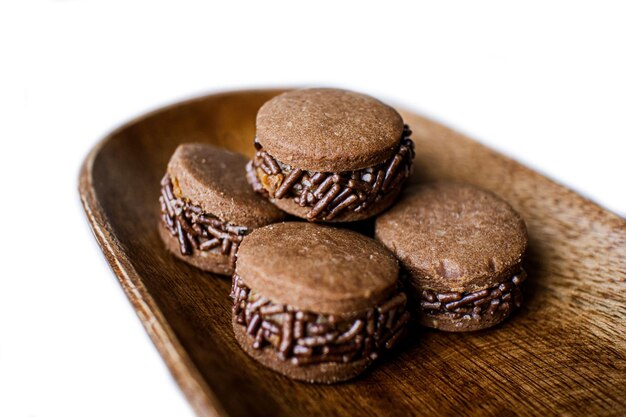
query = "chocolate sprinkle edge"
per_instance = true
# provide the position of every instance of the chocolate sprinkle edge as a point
(195, 229)
(501, 297)
(306, 338)
(329, 194)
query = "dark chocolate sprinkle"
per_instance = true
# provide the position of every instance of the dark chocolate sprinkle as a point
(291, 179)
(300, 350)
(254, 324)
(448, 297)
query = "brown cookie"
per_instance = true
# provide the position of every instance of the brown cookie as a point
(462, 249)
(328, 130)
(316, 303)
(207, 207)
(330, 155)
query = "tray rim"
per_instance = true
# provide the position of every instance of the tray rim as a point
(198, 393)
(200, 396)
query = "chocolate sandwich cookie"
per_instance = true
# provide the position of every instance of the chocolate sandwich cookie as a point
(330, 155)
(316, 303)
(207, 207)
(462, 250)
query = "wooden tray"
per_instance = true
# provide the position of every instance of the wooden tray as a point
(563, 353)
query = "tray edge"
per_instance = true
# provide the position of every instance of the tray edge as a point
(201, 398)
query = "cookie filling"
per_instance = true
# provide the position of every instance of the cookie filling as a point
(489, 301)
(195, 229)
(306, 338)
(329, 194)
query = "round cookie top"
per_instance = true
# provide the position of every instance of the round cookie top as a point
(328, 130)
(454, 237)
(214, 179)
(317, 268)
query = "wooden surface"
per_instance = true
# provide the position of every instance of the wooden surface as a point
(563, 353)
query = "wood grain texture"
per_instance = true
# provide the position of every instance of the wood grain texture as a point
(563, 353)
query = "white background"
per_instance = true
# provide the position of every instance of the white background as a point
(542, 81)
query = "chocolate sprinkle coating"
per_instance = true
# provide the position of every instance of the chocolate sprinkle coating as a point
(503, 297)
(327, 195)
(195, 229)
(306, 338)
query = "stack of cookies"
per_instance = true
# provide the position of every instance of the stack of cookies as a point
(320, 303)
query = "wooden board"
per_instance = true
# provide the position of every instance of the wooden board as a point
(563, 353)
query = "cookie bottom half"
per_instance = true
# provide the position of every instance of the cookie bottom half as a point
(324, 373)
(205, 260)
(316, 347)
(464, 312)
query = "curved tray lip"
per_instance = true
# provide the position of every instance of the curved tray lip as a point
(201, 397)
